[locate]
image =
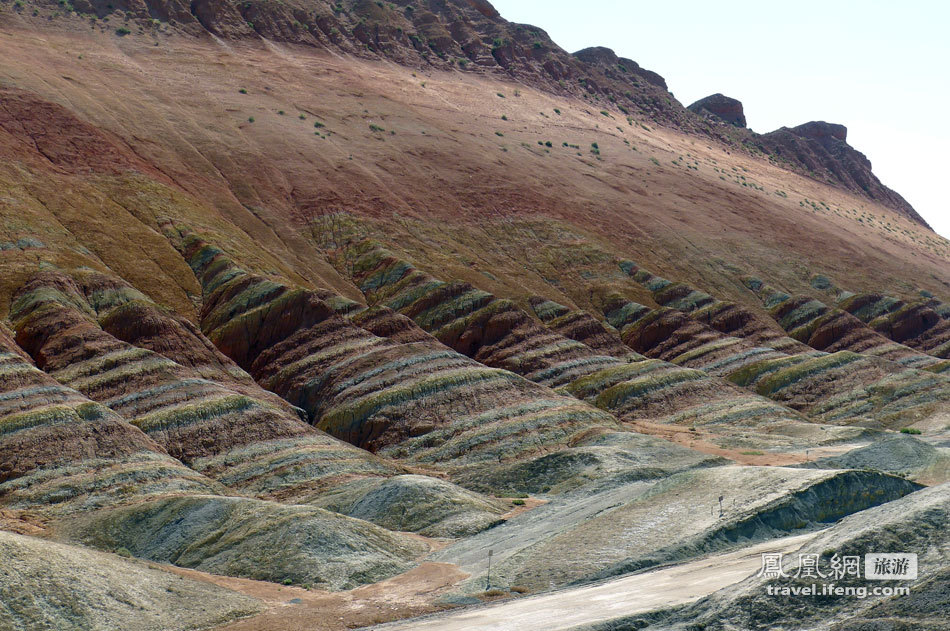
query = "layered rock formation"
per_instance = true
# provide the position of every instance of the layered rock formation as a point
(468, 35)
(581, 327)
(407, 314)
(415, 400)
(63, 452)
(725, 316)
(756, 356)
(497, 332)
(914, 323)
(109, 478)
(825, 328)
(241, 436)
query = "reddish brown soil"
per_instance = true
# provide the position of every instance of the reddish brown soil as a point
(699, 440)
(22, 522)
(404, 596)
(251, 183)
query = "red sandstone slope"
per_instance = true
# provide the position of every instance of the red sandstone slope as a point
(287, 133)
(172, 153)
(469, 36)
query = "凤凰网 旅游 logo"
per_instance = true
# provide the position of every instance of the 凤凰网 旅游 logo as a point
(820, 574)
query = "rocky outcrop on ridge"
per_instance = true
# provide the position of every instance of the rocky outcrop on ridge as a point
(821, 149)
(720, 108)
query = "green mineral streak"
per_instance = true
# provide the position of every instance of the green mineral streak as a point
(447, 311)
(186, 415)
(940, 368)
(453, 330)
(104, 300)
(346, 417)
(103, 363)
(705, 349)
(627, 313)
(406, 292)
(597, 382)
(37, 418)
(803, 315)
(551, 312)
(401, 365)
(617, 395)
(31, 301)
(258, 294)
(783, 378)
(347, 350)
(145, 366)
(581, 364)
(245, 326)
(386, 276)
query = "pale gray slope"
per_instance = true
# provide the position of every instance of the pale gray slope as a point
(47, 586)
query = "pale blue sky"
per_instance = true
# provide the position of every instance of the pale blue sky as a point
(880, 68)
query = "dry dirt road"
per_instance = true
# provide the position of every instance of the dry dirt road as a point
(567, 609)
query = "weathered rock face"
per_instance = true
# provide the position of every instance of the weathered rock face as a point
(615, 67)
(122, 424)
(690, 331)
(499, 333)
(942, 308)
(722, 108)
(421, 401)
(816, 148)
(422, 504)
(416, 400)
(825, 133)
(897, 454)
(821, 149)
(9, 345)
(239, 435)
(466, 34)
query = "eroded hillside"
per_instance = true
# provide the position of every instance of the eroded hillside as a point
(339, 297)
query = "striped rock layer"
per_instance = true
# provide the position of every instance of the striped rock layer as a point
(242, 440)
(841, 387)
(406, 396)
(830, 329)
(64, 453)
(726, 317)
(246, 444)
(498, 333)
(917, 324)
